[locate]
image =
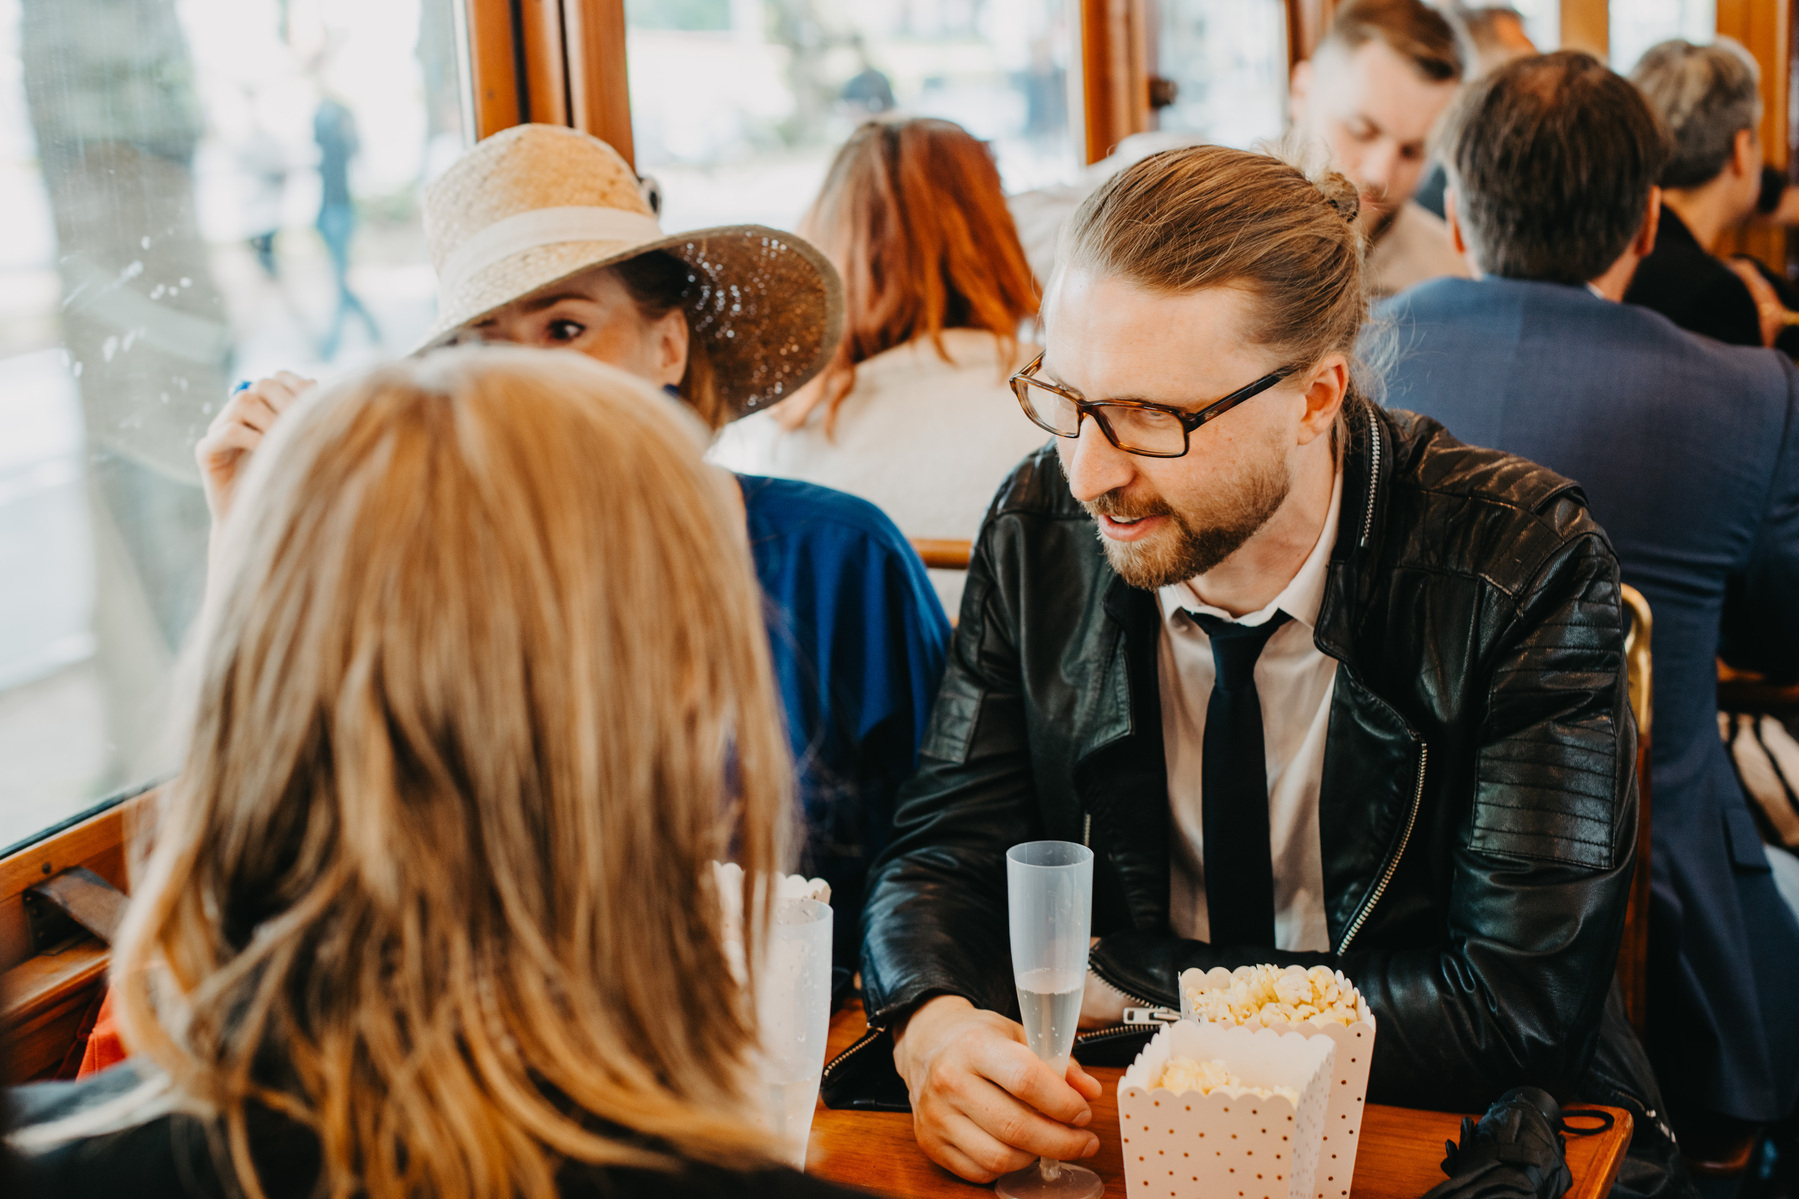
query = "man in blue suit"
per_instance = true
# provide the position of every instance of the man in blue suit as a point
(1688, 452)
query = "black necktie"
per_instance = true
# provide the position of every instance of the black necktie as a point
(1234, 788)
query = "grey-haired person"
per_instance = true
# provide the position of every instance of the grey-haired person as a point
(1710, 98)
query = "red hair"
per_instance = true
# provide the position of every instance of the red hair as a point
(913, 215)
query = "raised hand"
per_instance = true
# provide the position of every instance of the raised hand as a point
(238, 429)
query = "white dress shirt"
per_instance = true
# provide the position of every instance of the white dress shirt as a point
(1294, 681)
(926, 441)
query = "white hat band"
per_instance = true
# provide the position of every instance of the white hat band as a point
(541, 227)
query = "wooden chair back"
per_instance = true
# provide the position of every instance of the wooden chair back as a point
(1633, 953)
(940, 554)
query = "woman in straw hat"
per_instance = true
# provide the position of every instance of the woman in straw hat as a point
(417, 920)
(541, 237)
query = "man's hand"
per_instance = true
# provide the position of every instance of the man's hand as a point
(236, 432)
(1767, 301)
(982, 1103)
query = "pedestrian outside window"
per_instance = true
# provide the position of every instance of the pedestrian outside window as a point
(194, 193)
(738, 105)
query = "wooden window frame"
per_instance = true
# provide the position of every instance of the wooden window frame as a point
(48, 999)
(554, 62)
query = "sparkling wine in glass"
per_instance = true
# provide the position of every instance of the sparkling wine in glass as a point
(1049, 904)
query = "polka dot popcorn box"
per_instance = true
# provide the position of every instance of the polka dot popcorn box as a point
(1230, 1142)
(1243, 997)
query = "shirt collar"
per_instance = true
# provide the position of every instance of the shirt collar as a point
(1301, 598)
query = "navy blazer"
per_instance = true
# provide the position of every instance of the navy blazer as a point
(1688, 451)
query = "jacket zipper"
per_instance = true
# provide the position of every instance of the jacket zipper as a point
(1355, 926)
(1380, 888)
(1139, 1000)
(862, 1042)
(1373, 476)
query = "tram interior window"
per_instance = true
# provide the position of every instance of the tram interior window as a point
(738, 105)
(195, 192)
(1542, 21)
(1637, 25)
(1228, 62)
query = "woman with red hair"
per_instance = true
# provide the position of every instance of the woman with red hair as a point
(914, 412)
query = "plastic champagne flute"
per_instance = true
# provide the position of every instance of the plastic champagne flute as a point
(1049, 905)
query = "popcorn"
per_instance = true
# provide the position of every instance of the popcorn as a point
(1182, 1074)
(727, 879)
(1269, 996)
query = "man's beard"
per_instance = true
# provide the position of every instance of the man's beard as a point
(1197, 542)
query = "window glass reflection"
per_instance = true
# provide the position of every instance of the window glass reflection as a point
(195, 192)
(1228, 61)
(1542, 22)
(1637, 25)
(737, 105)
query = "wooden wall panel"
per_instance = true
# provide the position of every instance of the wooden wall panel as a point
(598, 80)
(46, 1002)
(1587, 25)
(45, 999)
(539, 25)
(493, 66)
(1114, 72)
(1765, 27)
(1306, 22)
(97, 843)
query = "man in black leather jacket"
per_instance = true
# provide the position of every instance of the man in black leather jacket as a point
(1474, 808)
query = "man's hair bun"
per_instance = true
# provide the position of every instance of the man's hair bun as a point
(1339, 193)
(1310, 159)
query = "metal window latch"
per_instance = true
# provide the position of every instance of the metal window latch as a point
(73, 899)
(1150, 1015)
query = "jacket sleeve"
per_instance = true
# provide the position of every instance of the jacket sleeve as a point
(935, 921)
(1761, 611)
(1512, 989)
(1724, 309)
(1541, 871)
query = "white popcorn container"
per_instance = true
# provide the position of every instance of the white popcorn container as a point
(1348, 1084)
(1231, 1143)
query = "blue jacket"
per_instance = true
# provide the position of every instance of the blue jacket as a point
(858, 639)
(1688, 452)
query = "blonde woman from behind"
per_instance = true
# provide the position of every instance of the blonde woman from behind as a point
(480, 691)
(913, 412)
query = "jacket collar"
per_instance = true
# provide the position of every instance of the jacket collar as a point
(1367, 487)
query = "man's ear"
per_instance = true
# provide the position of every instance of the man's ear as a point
(1644, 243)
(1299, 89)
(1324, 397)
(1744, 156)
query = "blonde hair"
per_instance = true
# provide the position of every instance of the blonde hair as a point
(1211, 216)
(480, 692)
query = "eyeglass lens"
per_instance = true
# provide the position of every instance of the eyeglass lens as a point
(1146, 429)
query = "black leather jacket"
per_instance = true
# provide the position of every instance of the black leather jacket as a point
(1478, 806)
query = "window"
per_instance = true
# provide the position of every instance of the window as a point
(195, 192)
(738, 105)
(1228, 62)
(1542, 22)
(1637, 25)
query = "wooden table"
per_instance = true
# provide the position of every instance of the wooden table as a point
(1400, 1155)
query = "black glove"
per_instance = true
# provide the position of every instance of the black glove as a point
(1515, 1152)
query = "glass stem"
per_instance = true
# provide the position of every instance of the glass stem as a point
(1052, 1169)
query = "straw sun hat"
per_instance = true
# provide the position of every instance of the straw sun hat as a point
(535, 204)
